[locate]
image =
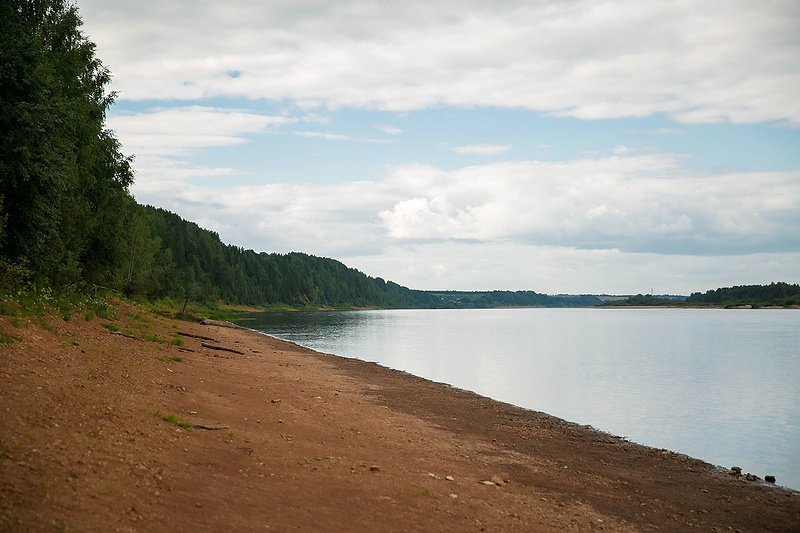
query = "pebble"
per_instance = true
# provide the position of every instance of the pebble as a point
(374, 468)
(449, 478)
(453, 495)
(486, 482)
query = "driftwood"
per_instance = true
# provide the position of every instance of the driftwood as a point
(221, 323)
(125, 335)
(207, 427)
(221, 348)
(192, 335)
(181, 348)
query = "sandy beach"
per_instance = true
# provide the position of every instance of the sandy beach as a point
(120, 430)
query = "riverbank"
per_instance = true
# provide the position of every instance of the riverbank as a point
(104, 429)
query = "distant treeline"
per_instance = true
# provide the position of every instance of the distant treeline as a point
(779, 293)
(491, 299)
(775, 294)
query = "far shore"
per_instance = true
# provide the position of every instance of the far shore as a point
(107, 425)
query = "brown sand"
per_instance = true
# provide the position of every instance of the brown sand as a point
(315, 442)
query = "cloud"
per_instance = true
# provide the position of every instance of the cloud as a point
(634, 204)
(177, 130)
(481, 149)
(558, 269)
(322, 135)
(698, 62)
(621, 150)
(389, 130)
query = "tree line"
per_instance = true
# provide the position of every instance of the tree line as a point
(776, 293)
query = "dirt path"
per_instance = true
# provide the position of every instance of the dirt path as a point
(304, 441)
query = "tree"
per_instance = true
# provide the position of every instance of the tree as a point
(62, 177)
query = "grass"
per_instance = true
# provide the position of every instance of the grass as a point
(110, 327)
(169, 359)
(6, 338)
(428, 494)
(155, 338)
(174, 419)
(47, 326)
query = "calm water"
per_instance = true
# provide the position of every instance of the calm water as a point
(721, 385)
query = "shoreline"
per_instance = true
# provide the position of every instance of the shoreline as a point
(316, 441)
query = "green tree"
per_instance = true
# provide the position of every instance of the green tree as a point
(63, 179)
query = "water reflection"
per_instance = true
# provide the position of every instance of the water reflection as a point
(720, 385)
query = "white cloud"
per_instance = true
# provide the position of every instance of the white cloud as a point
(621, 150)
(481, 149)
(176, 131)
(322, 135)
(389, 130)
(558, 269)
(711, 61)
(643, 204)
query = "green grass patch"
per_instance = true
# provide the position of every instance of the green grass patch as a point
(46, 325)
(155, 338)
(169, 359)
(110, 326)
(7, 338)
(174, 419)
(176, 341)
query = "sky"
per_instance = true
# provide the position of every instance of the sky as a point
(605, 146)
